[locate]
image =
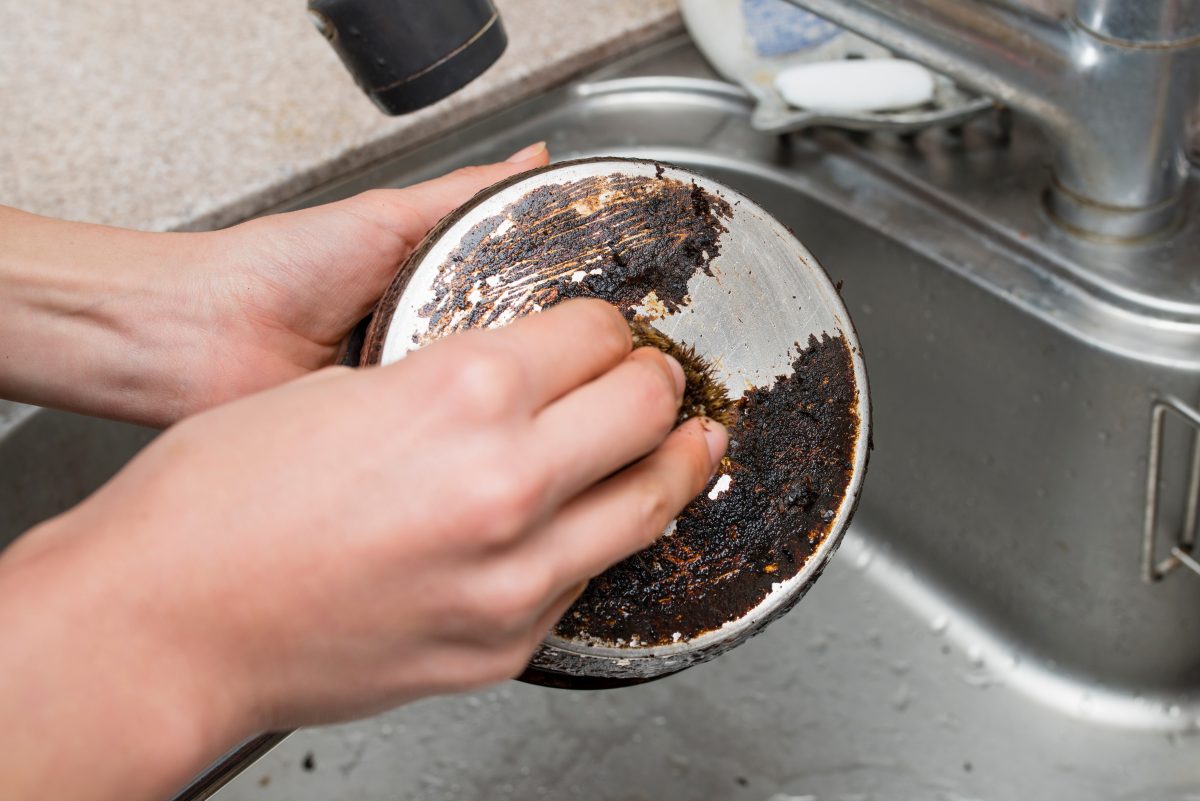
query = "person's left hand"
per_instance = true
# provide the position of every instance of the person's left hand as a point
(154, 327)
(284, 291)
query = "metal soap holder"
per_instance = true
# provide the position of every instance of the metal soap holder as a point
(1180, 553)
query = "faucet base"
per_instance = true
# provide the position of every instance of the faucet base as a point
(1111, 224)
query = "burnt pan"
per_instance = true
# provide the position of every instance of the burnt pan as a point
(711, 269)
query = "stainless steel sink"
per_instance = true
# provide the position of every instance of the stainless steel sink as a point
(984, 633)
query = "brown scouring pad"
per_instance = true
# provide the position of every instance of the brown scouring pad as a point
(704, 395)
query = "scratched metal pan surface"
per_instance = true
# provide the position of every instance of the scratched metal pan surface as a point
(709, 268)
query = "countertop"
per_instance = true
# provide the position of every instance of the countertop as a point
(195, 115)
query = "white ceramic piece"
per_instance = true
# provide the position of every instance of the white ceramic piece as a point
(846, 87)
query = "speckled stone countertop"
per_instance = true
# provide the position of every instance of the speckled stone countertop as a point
(195, 115)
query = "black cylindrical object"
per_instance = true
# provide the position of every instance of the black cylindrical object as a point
(408, 54)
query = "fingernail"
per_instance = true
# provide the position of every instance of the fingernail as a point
(677, 374)
(526, 153)
(716, 437)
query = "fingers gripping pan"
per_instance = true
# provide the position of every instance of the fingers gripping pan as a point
(710, 269)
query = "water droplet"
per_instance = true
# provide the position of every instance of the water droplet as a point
(979, 679)
(901, 698)
(1103, 436)
(939, 624)
(863, 559)
(975, 655)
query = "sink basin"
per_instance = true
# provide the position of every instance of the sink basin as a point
(983, 633)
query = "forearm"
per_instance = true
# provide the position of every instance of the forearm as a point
(89, 317)
(99, 702)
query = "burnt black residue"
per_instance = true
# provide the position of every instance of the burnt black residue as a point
(636, 241)
(617, 237)
(790, 461)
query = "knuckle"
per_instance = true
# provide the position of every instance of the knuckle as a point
(514, 594)
(475, 173)
(654, 392)
(609, 329)
(697, 463)
(655, 507)
(486, 382)
(507, 501)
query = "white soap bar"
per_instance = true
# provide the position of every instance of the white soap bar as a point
(855, 85)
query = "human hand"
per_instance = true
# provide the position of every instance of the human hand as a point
(284, 291)
(151, 327)
(344, 543)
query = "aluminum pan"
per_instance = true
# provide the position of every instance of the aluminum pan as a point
(766, 293)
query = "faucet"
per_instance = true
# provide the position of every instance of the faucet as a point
(1112, 87)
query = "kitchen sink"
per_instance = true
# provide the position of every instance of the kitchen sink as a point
(984, 632)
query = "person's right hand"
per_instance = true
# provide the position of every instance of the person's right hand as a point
(345, 543)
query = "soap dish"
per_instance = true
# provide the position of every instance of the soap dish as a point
(951, 105)
(749, 42)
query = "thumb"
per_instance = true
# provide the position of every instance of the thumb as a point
(426, 203)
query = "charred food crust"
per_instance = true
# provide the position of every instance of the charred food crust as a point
(791, 443)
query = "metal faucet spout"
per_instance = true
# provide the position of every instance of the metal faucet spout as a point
(1112, 87)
